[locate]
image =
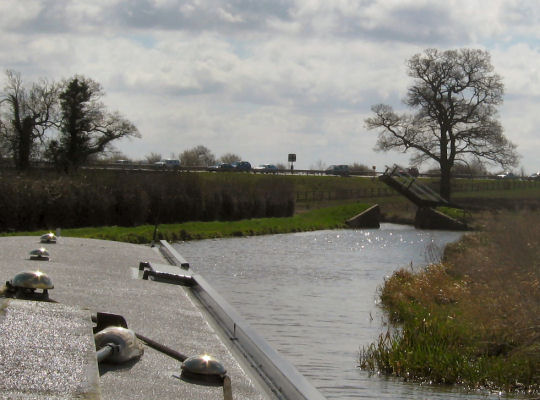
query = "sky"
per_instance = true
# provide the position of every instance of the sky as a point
(265, 78)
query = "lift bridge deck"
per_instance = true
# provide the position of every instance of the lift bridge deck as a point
(419, 193)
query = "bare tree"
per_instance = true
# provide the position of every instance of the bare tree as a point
(230, 158)
(360, 168)
(455, 94)
(473, 168)
(199, 156)
(86, 127)
(27, 113)
(318, 166)
(152, 158)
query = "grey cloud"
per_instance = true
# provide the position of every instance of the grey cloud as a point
(432, 23)
(408, 23)
(522, 13)
(428, 24)
(215, 15)
(210, 15)
(52, 18)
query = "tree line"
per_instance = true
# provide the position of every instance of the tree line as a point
(198, 156)
(454, 95)
(62, 122)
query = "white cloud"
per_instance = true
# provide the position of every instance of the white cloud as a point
(518, 65)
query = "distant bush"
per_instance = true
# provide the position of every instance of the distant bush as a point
(129, 198)
(360, 168)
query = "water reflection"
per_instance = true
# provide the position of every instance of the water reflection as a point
(312, 296)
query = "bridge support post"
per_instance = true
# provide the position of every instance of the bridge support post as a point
(369, 218)
(429, 218)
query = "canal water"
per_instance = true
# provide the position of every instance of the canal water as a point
(313, 297)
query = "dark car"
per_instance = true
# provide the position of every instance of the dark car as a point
(221, 167)
(266, 168)
(341, 170)
(241, 166)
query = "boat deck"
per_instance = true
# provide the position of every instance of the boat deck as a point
(46, 349)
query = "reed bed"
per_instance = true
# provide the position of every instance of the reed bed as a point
(45, 200)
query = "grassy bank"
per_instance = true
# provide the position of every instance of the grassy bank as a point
(473, 319)
(324, 218)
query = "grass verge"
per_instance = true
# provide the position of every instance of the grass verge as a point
(473, 319)
(324, 218)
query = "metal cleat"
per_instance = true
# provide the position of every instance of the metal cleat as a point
(48, 238)
(41, 254)
(25, 284)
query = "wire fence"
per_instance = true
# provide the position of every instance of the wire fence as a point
(469, 186)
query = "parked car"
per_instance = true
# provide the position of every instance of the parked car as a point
(241, 166)
(266, 168)
(341, 170)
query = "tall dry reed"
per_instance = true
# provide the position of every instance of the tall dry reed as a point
(42, 200)
(473, 319)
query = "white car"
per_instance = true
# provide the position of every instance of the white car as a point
(506, 175)
(535, 176)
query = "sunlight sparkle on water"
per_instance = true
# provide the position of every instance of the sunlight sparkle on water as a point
(298, 306)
